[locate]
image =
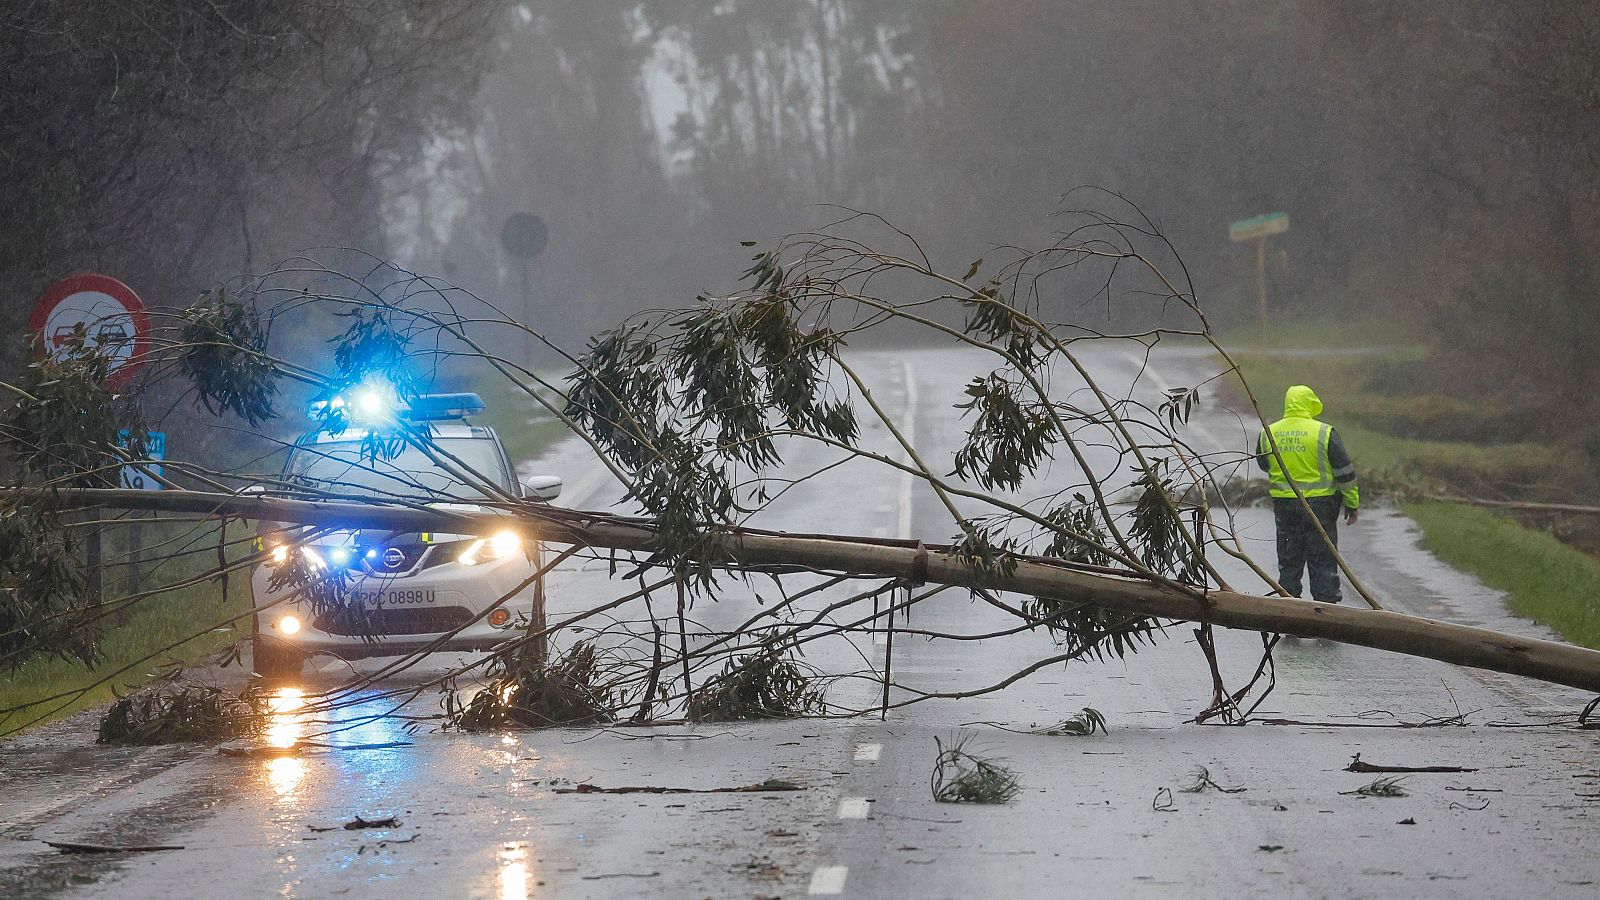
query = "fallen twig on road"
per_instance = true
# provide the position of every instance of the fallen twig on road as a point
(1588, 710)
(1438, 722)
(1162, 802)
(1356, 765)
(771, 784)
(74, 847)
(359, 823)
(1202, 780)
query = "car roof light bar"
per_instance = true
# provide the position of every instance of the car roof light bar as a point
(439, 407)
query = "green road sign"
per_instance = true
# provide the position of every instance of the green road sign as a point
(1258, 227)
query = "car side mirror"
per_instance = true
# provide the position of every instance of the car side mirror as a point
(541, 487)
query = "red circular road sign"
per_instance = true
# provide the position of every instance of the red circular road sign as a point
(110, 313)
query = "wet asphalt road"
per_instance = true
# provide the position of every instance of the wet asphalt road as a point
(484, 815)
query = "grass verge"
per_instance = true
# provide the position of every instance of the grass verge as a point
(525, 428)
(1451, 441)
(156, 622)
(1407, 436)
(1546, 580)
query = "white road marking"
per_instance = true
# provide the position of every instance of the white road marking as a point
(854, 807)
(828, 880)
(868, 752)
(1163, 385)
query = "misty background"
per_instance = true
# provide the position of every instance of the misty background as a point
(1438, 161)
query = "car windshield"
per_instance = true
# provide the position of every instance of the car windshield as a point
(340, 467)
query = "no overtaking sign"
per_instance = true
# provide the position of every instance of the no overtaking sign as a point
(109, 312)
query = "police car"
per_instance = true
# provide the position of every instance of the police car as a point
(396, 593)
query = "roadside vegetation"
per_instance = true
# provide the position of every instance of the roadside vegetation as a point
(143, 641)
(526, 429)
(157, 623)
(1414, 442)
(1548, 581)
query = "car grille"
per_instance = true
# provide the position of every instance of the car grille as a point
(396, 559)
(376, 622)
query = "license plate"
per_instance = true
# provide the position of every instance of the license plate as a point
(392, 599)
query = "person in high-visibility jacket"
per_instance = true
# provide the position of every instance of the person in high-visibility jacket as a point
(1315, 461)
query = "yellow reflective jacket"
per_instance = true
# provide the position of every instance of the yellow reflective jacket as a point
(1314, 457)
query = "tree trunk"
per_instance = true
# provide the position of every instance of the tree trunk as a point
(875, 557)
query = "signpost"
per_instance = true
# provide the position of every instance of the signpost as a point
(524, 236)
(109, 313)
(1258, 229)
(112, 320)
(141, 475)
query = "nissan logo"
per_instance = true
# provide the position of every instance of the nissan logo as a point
(394, 557)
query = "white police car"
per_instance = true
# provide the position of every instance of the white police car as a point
(397, 593)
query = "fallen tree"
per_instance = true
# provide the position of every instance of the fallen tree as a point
(701, 413)
(914, 563)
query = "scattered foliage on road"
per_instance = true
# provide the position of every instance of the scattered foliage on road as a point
(960, 776)
(1081, 725)
(766, 684)
(531, 693)
(1383, 787)
(173, 712)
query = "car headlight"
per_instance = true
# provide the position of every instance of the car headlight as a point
(499, 546)
(278, 555)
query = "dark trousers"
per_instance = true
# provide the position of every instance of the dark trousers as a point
(1300, 547)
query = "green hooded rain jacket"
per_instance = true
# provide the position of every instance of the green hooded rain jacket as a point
(1314, 458)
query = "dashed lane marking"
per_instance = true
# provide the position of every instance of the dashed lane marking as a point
(868, 752)
(828, 880)
(854, 807)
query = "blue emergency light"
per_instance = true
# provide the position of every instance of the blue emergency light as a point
(373, 403)
(370, 404)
